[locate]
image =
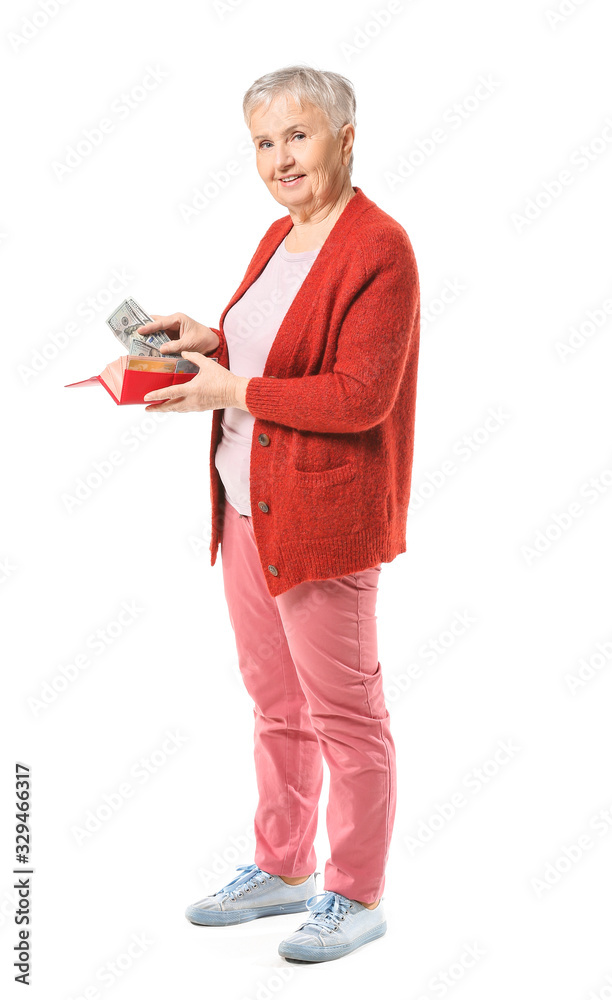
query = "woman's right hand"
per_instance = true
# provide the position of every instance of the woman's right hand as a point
(185, 334)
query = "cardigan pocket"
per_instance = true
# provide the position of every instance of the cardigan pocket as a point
(319, 503)
(325, 477)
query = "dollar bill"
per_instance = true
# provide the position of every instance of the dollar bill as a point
(121, 320)
(138, 310)
(138, 347)
(126, 320)
(154, 339)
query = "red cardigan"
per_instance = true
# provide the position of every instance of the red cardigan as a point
(331, 455)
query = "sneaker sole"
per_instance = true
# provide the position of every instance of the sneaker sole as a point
(212, 918)
(310, 953)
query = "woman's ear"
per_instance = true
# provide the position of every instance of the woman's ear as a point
(348, 140)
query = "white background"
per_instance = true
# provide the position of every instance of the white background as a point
(499, 875)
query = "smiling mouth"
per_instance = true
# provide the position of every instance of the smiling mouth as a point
(291, 179)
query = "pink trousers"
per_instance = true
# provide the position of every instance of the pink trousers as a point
(309, 660)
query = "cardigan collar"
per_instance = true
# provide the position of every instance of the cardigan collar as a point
(336, 238)
(351, 211)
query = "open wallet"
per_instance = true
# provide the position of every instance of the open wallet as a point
(131, 377)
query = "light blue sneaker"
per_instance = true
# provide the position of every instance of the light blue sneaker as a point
(252, 894)
(337, 926)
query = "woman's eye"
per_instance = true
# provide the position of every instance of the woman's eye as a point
(296, 135)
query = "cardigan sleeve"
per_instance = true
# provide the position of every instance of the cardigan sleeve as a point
(221, 350)
(371, 354)
(219, 346)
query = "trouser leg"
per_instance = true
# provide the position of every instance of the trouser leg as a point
(288, 760)
(335, 654)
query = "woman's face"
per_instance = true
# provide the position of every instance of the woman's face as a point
(289, 140)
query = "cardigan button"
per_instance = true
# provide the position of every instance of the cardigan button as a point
(263, 439)
(263, 506)
(273, 570)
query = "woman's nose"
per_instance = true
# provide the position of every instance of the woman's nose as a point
(283, 156)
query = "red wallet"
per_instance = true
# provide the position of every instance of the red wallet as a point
(130, 377)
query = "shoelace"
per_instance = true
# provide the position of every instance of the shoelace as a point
(328, 909)
(251, 877)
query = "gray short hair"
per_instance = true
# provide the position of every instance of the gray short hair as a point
(330, 92)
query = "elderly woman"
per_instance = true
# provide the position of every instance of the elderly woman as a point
(311, 456)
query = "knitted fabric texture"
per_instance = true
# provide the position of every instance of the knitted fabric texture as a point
(332, 447)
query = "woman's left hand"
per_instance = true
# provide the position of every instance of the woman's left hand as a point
(213, 388)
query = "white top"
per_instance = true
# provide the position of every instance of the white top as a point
(250, 327)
